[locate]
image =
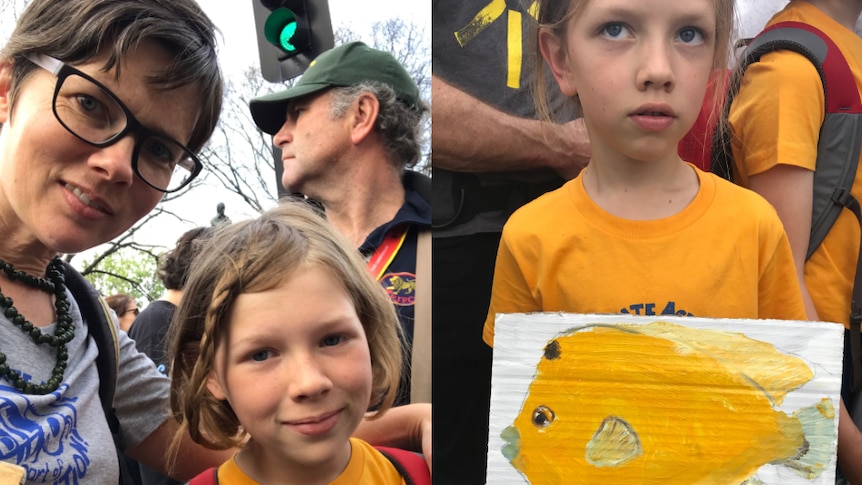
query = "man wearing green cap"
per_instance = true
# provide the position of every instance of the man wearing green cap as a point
(348, 130)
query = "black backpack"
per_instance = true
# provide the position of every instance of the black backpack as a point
(103, 331)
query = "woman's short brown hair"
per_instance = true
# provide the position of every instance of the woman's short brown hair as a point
(75, 31)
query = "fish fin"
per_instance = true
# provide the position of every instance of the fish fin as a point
(752, 481)
(615, 443)
(821, 437)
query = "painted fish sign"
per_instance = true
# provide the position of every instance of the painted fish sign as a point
(655, 400)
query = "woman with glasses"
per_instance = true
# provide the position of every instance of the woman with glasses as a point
(104, 106)
(126, 309)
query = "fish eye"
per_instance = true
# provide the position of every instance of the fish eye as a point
(543, 416)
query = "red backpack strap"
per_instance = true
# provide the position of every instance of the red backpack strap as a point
(206, 477)
(411, 466)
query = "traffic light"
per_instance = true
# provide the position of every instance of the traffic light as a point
(290, 34)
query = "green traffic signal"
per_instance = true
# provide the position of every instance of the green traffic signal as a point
(287, 31)
(286, 37)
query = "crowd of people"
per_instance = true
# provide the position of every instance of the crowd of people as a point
(104, 107)
(290, 347)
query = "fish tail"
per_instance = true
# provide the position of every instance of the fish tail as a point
(821, 436)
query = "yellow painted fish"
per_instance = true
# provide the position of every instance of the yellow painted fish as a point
(664, 403)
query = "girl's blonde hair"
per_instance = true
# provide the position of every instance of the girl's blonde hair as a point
(554, 17)
(259, 255)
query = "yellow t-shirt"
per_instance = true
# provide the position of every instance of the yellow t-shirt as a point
(366, 467)
(776, 119)
(724, 256)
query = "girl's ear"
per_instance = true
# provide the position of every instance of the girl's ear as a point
(214, 386)
(555, 54)
(5, 90)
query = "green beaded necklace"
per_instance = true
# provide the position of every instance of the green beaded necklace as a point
(54, 283)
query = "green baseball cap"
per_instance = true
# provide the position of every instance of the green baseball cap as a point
(342, 66)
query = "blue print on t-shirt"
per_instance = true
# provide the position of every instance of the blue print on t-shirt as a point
(650, 309)
(45, 442)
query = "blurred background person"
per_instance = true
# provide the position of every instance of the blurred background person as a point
(151, 326)
(126, 309)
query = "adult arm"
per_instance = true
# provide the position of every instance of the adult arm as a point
(407, 427)
(191, 458)
(790, 191)
(471, 136)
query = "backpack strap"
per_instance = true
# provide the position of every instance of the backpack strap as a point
(855, 331)
(410, 466)
(840, 141)
(103, 331)
(206, 477)
(420, 365)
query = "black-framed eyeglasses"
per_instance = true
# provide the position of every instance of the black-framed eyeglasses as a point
(135, 310)
(95, 115)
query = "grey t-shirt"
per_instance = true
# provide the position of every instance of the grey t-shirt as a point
(474, 54)
(62, 437)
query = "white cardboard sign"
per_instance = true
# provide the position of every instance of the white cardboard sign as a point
(629, 399)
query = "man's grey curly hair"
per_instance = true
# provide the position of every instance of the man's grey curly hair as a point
(397, 122)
